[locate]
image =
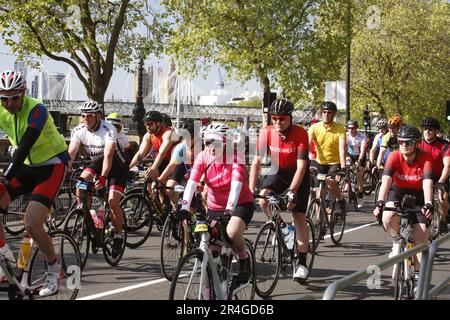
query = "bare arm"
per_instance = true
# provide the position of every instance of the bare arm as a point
(110, 147)
(446, 171)
(254, 172)
(73, 150)
(167, 172)
(302, 165)
(169, 137)
(144, 148)
(381, 156)
(342, 151)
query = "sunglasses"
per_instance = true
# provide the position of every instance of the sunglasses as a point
(89, 115)
(213, 143)
(280, 118)
(428, 128)
(408, 143)
(13, 98)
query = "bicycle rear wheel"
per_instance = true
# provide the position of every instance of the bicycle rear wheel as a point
(337, 225)
(368, 182)
(139, 221)
(187, 277)
(108, 241)
(267, 250)
(69, 259)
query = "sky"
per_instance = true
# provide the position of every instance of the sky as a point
(121, 85)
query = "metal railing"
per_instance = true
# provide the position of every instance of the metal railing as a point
(425, 273)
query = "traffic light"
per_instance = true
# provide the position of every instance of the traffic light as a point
(447, 111)
(366, 118)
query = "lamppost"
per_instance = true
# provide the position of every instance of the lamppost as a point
(349, 40)
(139, 110)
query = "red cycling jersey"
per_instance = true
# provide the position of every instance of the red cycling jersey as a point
(284, 153)
(438, 150)
(409, 176)
(156, 142)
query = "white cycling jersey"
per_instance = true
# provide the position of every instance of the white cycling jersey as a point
(354, 143)
(94, 142)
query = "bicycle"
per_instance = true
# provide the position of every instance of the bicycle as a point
(177, 237)
(140, 211)
(348, 188)
(206, 274)
(28, 282)
(271, 251)
(404, 277)
(80, 225)
(321, 210)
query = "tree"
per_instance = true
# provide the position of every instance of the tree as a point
(93, 37)
(401, 66)
(248, 38)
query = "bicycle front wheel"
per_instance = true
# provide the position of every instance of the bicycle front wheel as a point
(187, 282)
(316, 218)
(69, 259)
(75, 225)
(337, 225)
(267, 260)
(138, 215)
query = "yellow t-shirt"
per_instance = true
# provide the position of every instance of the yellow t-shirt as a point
(327, 142)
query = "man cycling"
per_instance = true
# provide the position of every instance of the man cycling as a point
(161, 139)
(408, 170)
(356, 152)
(228, 192)
(100, 141)
(382, 127)
(288, 145)
(440, 151)
(389, 141)
(329, 140)
(38, 165)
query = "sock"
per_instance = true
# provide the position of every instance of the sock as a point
(302, 258)
(118, 235)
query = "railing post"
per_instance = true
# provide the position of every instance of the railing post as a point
(429, 270)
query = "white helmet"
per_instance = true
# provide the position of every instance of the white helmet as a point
(216, 131)
(10, 80)
(90, 107)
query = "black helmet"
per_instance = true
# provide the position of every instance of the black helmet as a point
(188, 125)
(431, 122)
(352, 123)
(408, 133)
(166, 121)
(329, 105)
(281, 107)
(153, 116)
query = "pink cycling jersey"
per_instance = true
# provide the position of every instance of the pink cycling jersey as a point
(218, 178)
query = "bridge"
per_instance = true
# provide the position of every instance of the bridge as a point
(216, 113)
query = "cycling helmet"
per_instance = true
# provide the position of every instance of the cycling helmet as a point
(166, 121)
(188, 125)
(281, 107)
(352, 123)
(90, 107)
(329, 105)
(382, 123)
(408, 133)
(216, 131)
(11, 80)
(431, 122)
(395, 121)
(114, 118)
(153, 116)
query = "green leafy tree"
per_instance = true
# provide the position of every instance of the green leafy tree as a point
(400, 66)
(248, 38)
(93, 37)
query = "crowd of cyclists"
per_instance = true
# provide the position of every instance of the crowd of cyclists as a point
(207, 161)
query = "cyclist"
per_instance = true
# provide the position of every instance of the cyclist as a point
(408, 170)
(161, 139)
(38, 165)
(228, 192)
(124, 150)
(389, 141)
(440, 151)
(382, 127)
(356, 152)
(179, 167)
(329, 140)
(288, 144)
(100, 141)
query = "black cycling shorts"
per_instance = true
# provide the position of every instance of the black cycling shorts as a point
(396, 194)
(117, 175)
(281, 181)
(244, 211)
(180, 173)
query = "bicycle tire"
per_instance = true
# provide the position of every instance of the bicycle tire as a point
(377, 192)
(368, 182)
(315, 215)
(267, 262)
(337, 226)
(75, 225)
(18, 227)
(185, 286)
(108, 241)
(246, 291)
(139, 219)
(173, 246)
(70, 261)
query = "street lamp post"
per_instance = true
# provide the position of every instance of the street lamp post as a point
(139, 110)
(349, 40)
